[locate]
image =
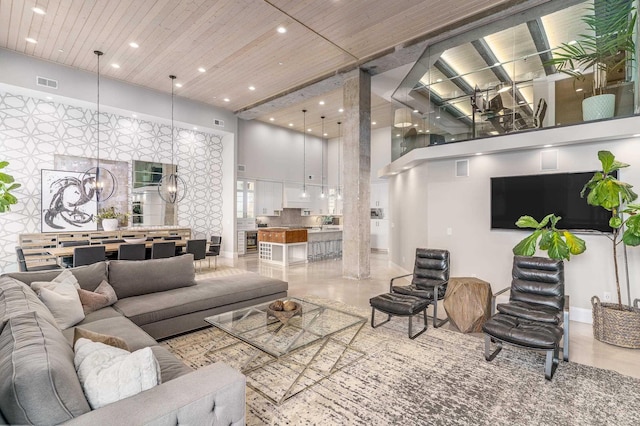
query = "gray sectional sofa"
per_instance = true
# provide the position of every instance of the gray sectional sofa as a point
(156, 299)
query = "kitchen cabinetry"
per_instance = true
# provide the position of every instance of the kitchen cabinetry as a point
(380, 234)
(317, 205)
(293, 197)
(268, 198)
(379, 195)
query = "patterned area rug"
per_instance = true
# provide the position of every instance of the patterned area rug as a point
(441, 378)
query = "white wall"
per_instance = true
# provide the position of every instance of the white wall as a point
(273, 153)
(428, 199)
(33, 129)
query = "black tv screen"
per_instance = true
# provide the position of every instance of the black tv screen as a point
(540, 195)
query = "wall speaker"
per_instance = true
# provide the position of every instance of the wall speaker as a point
(549, 160)
(462, 168)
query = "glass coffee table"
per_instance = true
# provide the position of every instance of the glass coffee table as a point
(285, 357)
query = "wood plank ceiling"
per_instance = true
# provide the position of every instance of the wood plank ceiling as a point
(235, 41)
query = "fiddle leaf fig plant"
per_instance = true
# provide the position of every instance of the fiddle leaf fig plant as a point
(558, 243)
(604, 190)
(7, 184)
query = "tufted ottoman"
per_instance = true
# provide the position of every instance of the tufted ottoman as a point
(527, 334)
(394, 304)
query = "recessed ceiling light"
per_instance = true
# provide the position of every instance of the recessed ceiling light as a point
(31, 40)
(636, 135)
(116, 66)
(428, 131)
(252, 88)
(416, 111)
(202, 69)
(572, 42)
(341, 110)
(178, 84)
(548, 145)
(49, 97)
(453, 139)
(134, 115)
(61, 50)
(496, 64)
(325, 134)
(134, 45)
(437, 117)
(579, 89)
(420, 131)
(38, 10)
(271, 119)
(195, 128)
(415, 125)
(521, 102)
(374, 123)
(282, 29)
(290, 124)
(321, 103)
(280, 63)
(308, 130)
(397, 135)
(226, 99)
(439, 80)
(478, 153)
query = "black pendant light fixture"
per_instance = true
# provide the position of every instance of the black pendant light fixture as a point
(322, 194)
(339, 157)
(304, 153)
(172, 188)
(97, 180)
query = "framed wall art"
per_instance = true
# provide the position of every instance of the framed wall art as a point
(68, 201)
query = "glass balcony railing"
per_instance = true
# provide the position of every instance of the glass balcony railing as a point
(505, 77)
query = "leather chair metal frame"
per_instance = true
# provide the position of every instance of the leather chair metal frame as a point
(537, 295)
(214, 250)
(430, 279)
(132, 252)
(163, 250)
(198, 248)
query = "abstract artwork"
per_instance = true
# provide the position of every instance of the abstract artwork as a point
(68, 201)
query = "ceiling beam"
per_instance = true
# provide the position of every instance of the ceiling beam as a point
(539, 36)
(483, 49)
(453, 76)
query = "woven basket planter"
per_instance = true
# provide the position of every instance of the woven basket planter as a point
(614, 326)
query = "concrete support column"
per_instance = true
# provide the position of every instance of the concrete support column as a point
(356, 232)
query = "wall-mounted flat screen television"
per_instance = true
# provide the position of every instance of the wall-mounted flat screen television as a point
(539, 195)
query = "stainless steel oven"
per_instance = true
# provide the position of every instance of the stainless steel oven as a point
(251, 241)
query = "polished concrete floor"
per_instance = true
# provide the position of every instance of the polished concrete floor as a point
(324, 279)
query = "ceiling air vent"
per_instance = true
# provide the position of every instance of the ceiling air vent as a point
(219, 123)
(47, 82)
(242, 167)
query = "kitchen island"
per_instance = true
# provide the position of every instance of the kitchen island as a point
(282, 246)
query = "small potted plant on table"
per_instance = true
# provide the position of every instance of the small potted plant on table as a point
(109, 218)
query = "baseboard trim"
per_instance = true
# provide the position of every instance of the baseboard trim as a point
(580, 315)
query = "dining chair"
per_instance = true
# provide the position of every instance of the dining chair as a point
(131, 252)
(22, 263)
(162, 250)
(67, 261)
(88, 255)
(214, 250)
(198, 248)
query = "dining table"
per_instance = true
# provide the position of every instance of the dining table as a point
(109, 247)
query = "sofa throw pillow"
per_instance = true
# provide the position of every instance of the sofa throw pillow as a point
(103, 296)
(133, 278)
(116, 342)
(109, 374)
(38, 381)
(89, 276)
(65, 277)
(63, 301)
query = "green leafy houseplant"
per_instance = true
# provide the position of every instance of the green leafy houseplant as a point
(7, 184)
(110, 213)
(558, 243)
(604, 190)
(606, 47)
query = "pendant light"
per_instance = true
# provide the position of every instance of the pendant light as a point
(322, 194)
(402, 118)
(100, 181)
(304, 153)
(172, 188)
(339, 157)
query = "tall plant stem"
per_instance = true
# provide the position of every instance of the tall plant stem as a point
(615, 265)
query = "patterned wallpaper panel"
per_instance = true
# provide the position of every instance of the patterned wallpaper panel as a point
(33, 131)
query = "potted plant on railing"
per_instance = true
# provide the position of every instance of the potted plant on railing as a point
(615, 323)
(559, 244)
(7, 184)
(109, 218)
(605, 50)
